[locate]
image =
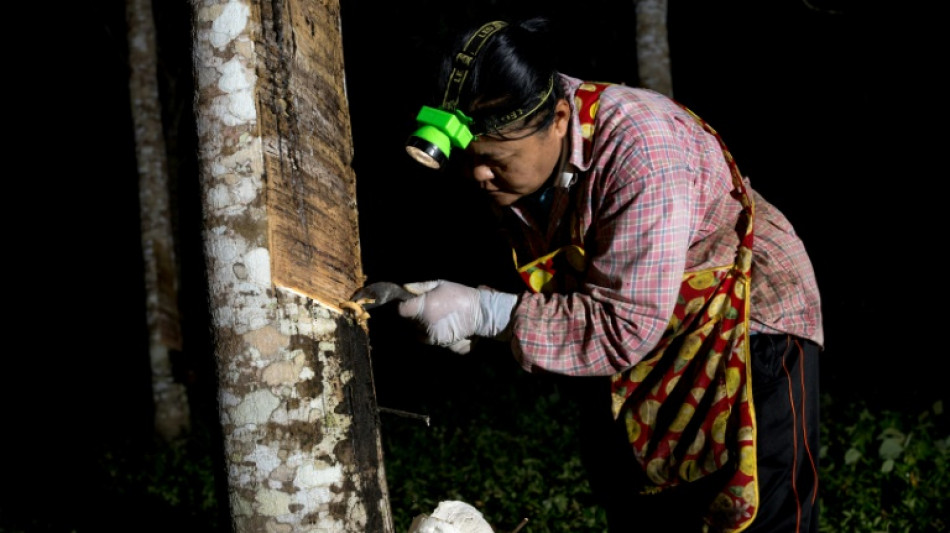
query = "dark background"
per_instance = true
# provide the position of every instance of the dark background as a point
(833, 108)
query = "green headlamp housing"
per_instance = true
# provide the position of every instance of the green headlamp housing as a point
(439, 130)
(444, 127)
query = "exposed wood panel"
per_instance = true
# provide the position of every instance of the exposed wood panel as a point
(305, 127)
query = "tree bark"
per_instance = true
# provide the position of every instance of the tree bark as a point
(172, 414)
(653, 46)
(297, 401)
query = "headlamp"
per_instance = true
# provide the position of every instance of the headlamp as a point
(444, 127)
(438, 132)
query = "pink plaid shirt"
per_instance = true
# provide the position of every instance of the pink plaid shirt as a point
(652, 202)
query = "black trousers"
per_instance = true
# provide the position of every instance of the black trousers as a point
(785, 397)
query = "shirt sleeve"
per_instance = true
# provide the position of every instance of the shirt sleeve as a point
(636, 249)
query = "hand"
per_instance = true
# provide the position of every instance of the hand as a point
(451, 313)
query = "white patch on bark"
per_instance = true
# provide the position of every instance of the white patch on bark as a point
(286, 372)
(257, 262)
(232, 195)
(255, 408)
(236, 105)
(235, 77)
(245, 272)
(309, 476)
(229, 22)
(266, 459)
(273, 502)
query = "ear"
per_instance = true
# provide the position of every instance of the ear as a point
(562, 117)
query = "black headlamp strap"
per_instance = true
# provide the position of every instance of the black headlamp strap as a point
(496, 123)
(463, 63)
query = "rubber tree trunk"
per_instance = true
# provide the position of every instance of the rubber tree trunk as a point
(172, 414)
(297, 401)
(653, 46)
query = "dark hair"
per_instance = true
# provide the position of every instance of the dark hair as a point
(512, 73)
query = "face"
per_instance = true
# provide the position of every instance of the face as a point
(508, 170)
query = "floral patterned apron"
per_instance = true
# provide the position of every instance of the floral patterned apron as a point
(687, 406)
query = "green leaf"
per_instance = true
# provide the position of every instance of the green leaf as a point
(891, 433)
(852, 456)
(887, 466)
(891, 448)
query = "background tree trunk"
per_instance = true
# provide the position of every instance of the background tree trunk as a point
(653, 46)
(297, 404)
(172, 416)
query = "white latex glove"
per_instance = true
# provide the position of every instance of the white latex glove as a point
(451, 313)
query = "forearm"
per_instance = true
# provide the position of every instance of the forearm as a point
(579, 335)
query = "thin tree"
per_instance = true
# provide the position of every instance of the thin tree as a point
(172, 416)
(653, 46)
(297, 401)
